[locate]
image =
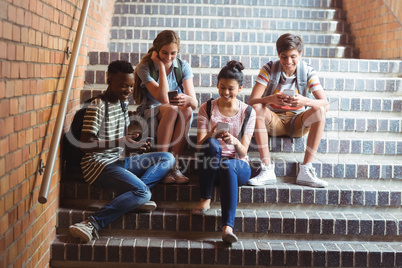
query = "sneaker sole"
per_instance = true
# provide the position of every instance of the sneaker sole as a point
(182, 181)
(305, 183)
(230, 238)
(261, 184)
(77, 233)
(168, 181)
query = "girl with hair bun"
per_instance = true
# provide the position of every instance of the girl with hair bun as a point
(223, 150)
(168, 119)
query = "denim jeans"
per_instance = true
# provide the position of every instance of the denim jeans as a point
(131, 179)
(232, 174)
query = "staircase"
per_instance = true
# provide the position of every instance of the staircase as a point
(355, 222)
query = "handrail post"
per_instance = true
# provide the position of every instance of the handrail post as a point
(51, 159)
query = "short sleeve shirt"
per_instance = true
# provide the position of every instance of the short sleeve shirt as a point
(235, 124)
(145, 76)
(114, 126)
(313, 84)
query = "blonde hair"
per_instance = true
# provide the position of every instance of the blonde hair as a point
(164, 38)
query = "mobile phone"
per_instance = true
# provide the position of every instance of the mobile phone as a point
(172, 94)
(150, 139)
(223, 126)
(289, 92)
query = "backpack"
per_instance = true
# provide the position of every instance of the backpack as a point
(246, 118)
(72, 152)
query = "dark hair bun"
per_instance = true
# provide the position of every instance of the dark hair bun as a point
(237, 65)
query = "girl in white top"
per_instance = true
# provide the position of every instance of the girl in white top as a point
(224, 156)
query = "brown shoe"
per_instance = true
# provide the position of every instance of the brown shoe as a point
(169, 179)
(179, 177)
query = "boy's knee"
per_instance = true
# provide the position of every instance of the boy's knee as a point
(169, 159)
(145, 194)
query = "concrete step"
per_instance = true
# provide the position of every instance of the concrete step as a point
(347, 67)
(340, 192)
(292, 11)
(336, 224)
(236, 48)
(119, 251)
(357, 83)
(332, 142)
(261, 3)
(184, 23)
(238, 36)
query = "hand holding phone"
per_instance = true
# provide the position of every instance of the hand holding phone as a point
(289, 92)
(223, 126)
(172, 94)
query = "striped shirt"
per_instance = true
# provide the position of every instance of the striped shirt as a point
(114, 126)
(313, 84)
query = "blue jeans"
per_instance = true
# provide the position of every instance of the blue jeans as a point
(131, 179)
(232, 174)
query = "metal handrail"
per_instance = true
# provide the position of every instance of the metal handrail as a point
(51, 159)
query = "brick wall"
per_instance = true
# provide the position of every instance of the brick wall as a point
(33, 36)
(376, 24)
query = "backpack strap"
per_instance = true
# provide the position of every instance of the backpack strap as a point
(244, 125)
(209, 105)
(301, 76)
(178, 72)
(274, 77)
(152, 71)
(124, 109)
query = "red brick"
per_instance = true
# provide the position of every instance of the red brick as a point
(6, 126)
(15, 72)
(13, 106)
(16, 33)
(7, 32)
(4, 108)
(3, 189)
(2, 89)
(5, 69)
(4, 149)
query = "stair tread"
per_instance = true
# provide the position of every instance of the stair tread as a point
(275, 213)
(209, 251)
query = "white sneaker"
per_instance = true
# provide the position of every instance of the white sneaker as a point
(83, 231)
(266, 176)
(308, 177)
